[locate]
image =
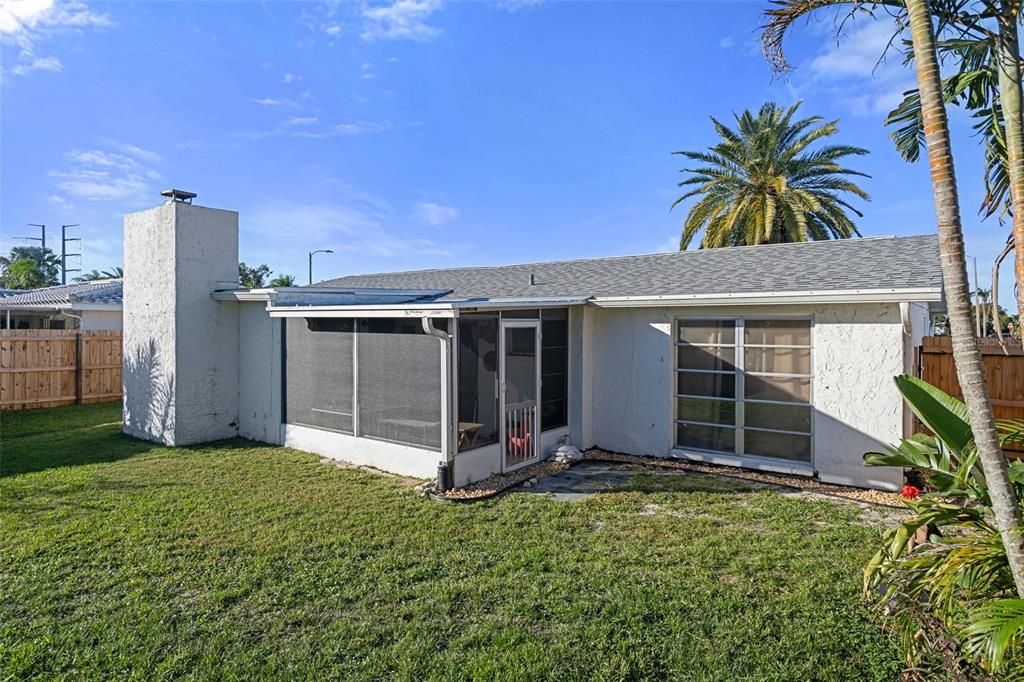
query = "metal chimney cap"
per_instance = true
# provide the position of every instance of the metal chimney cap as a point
(179, 195)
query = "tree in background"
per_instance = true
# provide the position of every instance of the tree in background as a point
(253, 278)
(116, 272)
(283, 281)
(23, 273)
(29, 267)
(763, 184)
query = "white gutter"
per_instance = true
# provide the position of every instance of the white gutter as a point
(268, 294)
(445, 311)
(909, 295)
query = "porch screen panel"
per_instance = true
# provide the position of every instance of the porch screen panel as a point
(554, 368)
(478, 380)
(399, 377)
(318, 373)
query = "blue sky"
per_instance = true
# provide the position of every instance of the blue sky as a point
(419, 133)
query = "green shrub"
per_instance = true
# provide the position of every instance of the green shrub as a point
(942, 576)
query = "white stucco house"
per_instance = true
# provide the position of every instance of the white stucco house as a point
(87, 306)
(773, 357)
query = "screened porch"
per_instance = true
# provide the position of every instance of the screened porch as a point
(483, 388)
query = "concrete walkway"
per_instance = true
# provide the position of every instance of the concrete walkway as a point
(590, 478)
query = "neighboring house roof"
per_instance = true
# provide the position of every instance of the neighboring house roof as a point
(98, 292)
(10, 292)
(848, 265)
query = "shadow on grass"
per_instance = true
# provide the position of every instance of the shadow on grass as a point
(89, 445)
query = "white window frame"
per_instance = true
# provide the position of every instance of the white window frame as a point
(740, 456)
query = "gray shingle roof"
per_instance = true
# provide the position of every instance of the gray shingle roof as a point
(99, 291)
(875, 263)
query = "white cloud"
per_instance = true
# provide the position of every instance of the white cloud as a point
(332, 29)
(400, 20)
(306, 127)
(26, 17)
(671, 243)
(290, 78)
(435, 214)
(135, 151)
(300, 121)
(518, 5)
(119, 172)
(31, 63)
(726, 42)
(363, 228)
(863, 69)
(26, 23)
(860, 53)
(273, 102)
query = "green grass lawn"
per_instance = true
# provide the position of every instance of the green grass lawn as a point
(122, 559)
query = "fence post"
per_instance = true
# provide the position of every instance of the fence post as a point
(79, 360)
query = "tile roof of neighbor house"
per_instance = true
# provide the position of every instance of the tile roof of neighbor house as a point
(98, 291)
(841, 265)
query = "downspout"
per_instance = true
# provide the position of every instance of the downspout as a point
(446, 468)
(65, 313)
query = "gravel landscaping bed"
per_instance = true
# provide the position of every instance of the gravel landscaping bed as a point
(498, 483)
(801, 483)
(492, 485)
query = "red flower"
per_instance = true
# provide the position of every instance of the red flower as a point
(910, 492)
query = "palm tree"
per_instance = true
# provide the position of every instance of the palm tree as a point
(47, 263)
(763, 185)
(966, 354)
(283, 281)
(116, 272)
(1010, 96)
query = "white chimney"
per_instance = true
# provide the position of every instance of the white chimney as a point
(180, 345)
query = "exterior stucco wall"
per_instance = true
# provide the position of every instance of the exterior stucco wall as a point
(101, 319)
(149, 324)
(259, 374)
(857, 350)
(181, 346)
(394, 457)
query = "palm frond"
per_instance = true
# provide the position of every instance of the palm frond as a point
(995, 630)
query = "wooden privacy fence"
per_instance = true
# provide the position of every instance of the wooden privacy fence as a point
(53, 367)
(1004, 373)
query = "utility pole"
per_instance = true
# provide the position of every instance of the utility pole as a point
(64, 239)
(41, 239)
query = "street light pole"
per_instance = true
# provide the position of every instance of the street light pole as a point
(311, 262)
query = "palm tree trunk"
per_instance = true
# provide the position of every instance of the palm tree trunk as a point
(966, 354)
(1008, 65)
